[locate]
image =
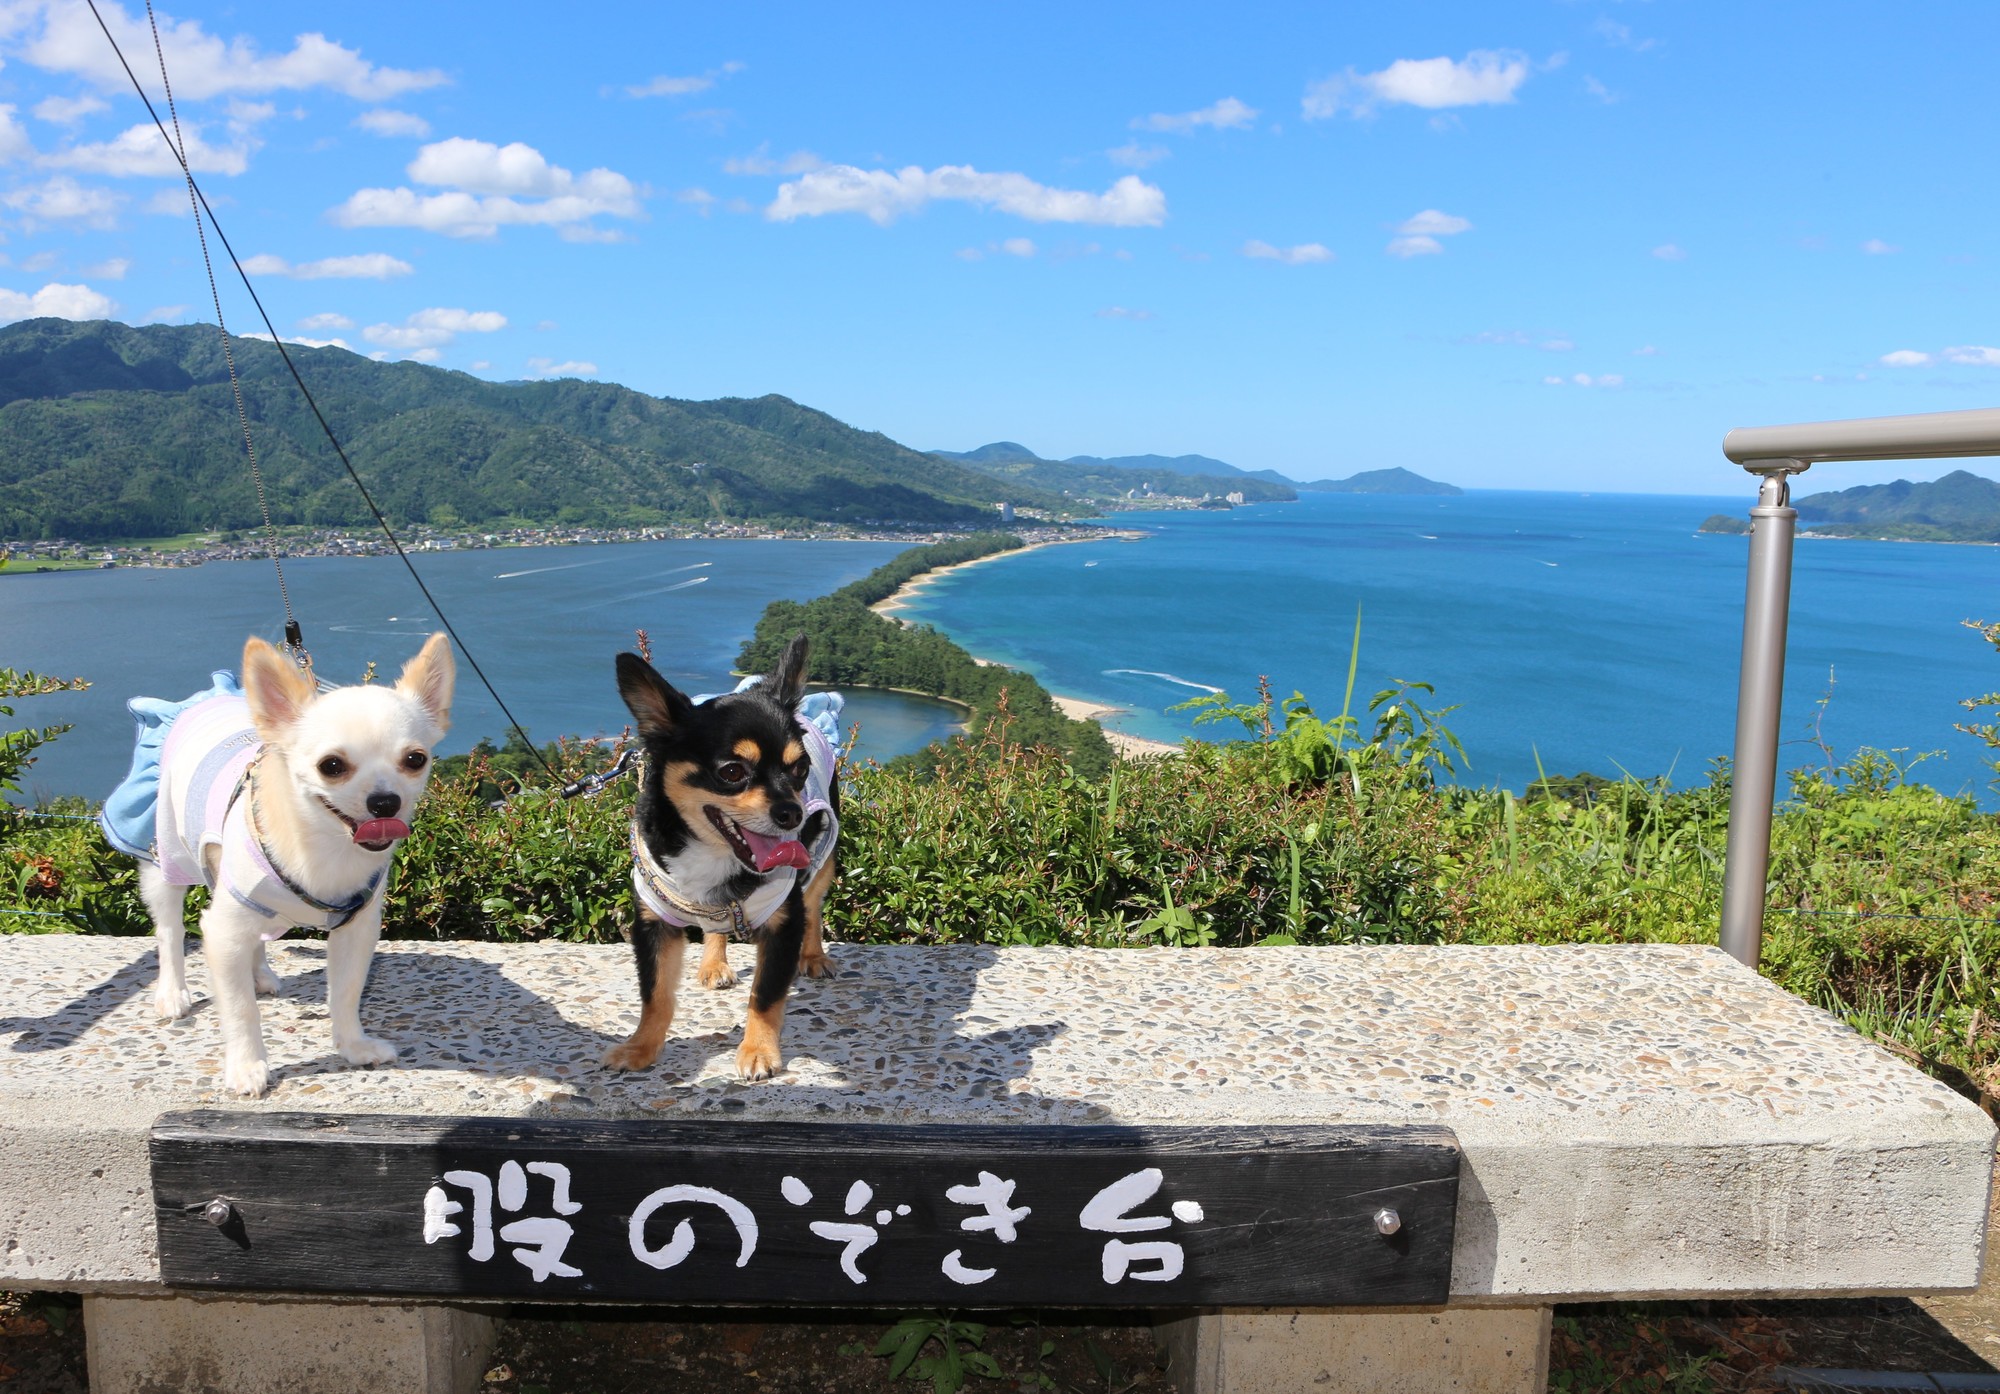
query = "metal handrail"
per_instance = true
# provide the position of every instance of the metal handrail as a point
(1774, 454)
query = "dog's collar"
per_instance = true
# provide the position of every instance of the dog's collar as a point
(728, 917)
(346, 909)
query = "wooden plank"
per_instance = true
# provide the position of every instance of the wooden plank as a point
(802, 1213)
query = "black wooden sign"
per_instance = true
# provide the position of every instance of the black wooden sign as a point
(804, 1213)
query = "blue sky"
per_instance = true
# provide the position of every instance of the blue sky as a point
(1536, 245)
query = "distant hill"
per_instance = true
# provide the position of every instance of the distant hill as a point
(1961, 507)
(1389, 481)
(112, 431)
(1106, 480)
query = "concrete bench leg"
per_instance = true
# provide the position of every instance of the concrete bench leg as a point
(1468, 1350)
(185, 1345)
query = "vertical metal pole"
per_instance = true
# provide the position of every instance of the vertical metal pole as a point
(1754, 785)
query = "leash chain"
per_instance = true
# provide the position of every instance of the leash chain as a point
(313, 404)
(294, 639)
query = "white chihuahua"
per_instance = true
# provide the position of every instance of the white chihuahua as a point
(286, 803)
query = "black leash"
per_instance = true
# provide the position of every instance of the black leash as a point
(294, 639)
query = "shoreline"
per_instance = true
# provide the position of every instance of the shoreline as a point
(1075, 708)
(900, 598)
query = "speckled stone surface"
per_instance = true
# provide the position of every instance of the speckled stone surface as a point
(1635, 1120)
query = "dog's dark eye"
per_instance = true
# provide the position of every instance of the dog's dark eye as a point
(799, 772)
(415, 761)
(734, 772)
(332, 767)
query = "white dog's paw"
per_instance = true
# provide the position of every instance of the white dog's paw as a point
(367, 1050)
(249, 1076)
(268, 983)
(171, 1002)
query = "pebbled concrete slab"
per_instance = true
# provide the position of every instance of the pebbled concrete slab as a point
(1637, 1120)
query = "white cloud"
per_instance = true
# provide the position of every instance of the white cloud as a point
(1018, 247)
(1906, 358)
(14, 141)
(1620, 36)
(65, 111)
(61, 199)
(1417, 236)
(1972, 354)
(166, 314)
(759, 162)
(1586, 380)
(1227, 114)
(1133, 155)
(56, 301)
(364, 266)
(1876, 247)
(1667, 251)
(329, 320)
(969, 254)
(425, 355)
(572, 368)
(700, 199)
(490, 186)
(168, 203)
(884, 196)
(113, 269)
(1485, 77)
(433, 328)
(683, 86)
(1432, 223)
(1645, 351)
(384, 122)
(139, 151)
(64, 38)
(1304, 254)
(1120, 312)
(1599, 90)
(302, 341)
(1556, 345)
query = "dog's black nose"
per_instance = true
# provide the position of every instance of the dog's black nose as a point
(384, 805)
(787, 814)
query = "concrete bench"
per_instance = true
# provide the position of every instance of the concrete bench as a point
(1635, 1122)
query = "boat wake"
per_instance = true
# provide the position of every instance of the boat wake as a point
(538, 570)
(1163, 677)
(641, 595)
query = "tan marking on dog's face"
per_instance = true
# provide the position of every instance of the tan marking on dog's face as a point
(794, 752)
(748, 750)
(677, 784)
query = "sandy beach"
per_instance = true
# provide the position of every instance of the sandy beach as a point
(1131, 747)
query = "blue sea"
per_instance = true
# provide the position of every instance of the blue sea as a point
(1592, 632)
(1587, 632)
(544, 622)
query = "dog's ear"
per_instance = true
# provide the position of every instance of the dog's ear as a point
(278, 690)
(787, 682)
(656, 705)
(430, 677)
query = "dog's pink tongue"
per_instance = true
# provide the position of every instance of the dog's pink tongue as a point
(380, 832)
(774, 852)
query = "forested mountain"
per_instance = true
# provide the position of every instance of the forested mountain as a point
(1101, 480)
(1961, 507)
(112, 431)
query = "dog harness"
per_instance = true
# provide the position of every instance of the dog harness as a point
(191, 765)
(819, 720)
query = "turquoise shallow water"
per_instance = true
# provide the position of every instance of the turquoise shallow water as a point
(544, 622)
(1599, 631)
